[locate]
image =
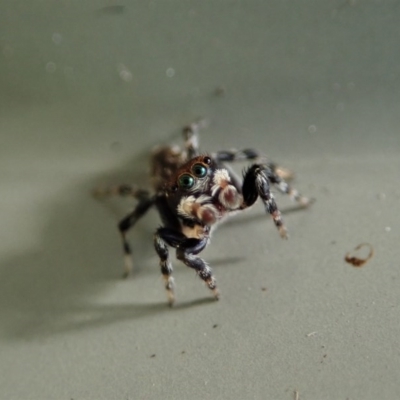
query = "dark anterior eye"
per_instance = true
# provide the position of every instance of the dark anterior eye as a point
(186, 181)
(199, 170)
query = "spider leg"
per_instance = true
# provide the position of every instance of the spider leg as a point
(187, 250)
(145, 202)
(256, 183)
(285, 188)
(248, 155)
(123, 190)
(235, 155)
(191, 137)
(162, 237)
(187, 253)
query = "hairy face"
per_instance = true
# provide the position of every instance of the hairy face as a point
(192, 178)
(201, 190)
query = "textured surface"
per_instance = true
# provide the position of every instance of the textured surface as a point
(86, 91)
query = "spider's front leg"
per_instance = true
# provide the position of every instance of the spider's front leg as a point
(187, 250)
(162, 237)
(187, 253)
(256, 183)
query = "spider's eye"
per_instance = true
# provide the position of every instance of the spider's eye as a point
(207, 160)
(199, 170)
(186, 181)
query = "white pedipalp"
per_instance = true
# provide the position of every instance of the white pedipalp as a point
(200, 208)
(220, 180)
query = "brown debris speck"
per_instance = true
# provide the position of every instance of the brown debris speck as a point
(357, 261)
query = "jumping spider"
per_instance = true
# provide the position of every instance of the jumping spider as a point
(193, 192)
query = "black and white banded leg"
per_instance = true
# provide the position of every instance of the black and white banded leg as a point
(236, 155)
(285, 188)
(256, 183)
(123, 190)
(160, 245)
(187, 250)
(252, 155)
(191, 138)
(187, 253)
(145, 202)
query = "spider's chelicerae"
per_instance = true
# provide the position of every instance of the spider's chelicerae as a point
(193, 192)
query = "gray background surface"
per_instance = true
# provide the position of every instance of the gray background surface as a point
(87, 91)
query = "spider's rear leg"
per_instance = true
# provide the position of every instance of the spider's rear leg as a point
(191, 137)
(145, 202)
(285, 188)
(252, 155)
(256, 183)
(236, 155)
(123, 190)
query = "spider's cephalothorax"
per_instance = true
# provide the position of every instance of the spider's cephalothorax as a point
(193, 193)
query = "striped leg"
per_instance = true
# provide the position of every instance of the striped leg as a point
(256, 183)
(187, 253)
(191, 137)
(285, 188)
(236, 155)
(165, 264)
(123, 190)
(252, 155)
(187, 250)
(125, 224)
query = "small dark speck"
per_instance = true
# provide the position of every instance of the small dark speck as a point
(183, 352)
(152, 356)
(333, 242)
(112, 10)
(215, 325)
(115, 147)
(220, 91)
(264, 289)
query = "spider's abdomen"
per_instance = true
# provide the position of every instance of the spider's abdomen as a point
(164, 163)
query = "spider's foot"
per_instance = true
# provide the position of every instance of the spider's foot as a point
(302, 200)
(216, 294)
(283, 232)
(169, 286)
(212, 284)
(97, 193)
(128, 266)
(284, 173)
(277, 217)
(306, 201)
(101, 192)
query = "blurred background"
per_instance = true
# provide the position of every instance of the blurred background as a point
(88, 88)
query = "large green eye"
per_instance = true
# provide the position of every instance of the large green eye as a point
(199, 170)
(186, 181)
